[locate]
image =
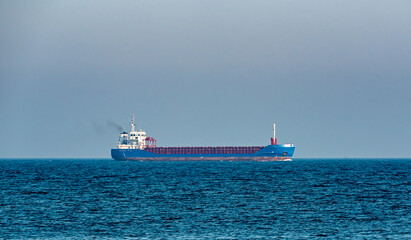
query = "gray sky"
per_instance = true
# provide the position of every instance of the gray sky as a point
(335, 76)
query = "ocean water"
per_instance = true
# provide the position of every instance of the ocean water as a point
(302, 199)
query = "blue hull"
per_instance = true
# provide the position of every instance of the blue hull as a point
(268, 153)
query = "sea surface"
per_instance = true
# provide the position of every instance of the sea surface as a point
(301, 199)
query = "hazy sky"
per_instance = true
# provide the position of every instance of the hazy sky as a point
(335, 76)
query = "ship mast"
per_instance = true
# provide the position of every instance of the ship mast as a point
(273, 139)
(132, 123)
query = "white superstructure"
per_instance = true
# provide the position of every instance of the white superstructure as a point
(133, 140)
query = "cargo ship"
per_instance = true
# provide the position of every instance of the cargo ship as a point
(136, 145)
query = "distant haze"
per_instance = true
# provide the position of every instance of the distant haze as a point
(334, 76)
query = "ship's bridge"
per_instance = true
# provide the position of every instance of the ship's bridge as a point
(138, 139)
(133, 140)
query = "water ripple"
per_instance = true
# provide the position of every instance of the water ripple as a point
(303, 199)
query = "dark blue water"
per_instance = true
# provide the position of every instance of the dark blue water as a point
(302, 199)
